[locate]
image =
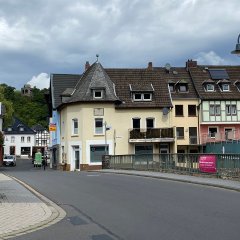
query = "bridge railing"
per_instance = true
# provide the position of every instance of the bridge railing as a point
(216, 165)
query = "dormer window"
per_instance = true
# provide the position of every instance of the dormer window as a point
(21, 129)
(141, 93)
(147, 96)
(182, 88)
(97, 94)
(225, 87)
(142, 96)
(9, 129)
(209, 87)
(237, 84)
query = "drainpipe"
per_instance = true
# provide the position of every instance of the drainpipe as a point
(199, 110)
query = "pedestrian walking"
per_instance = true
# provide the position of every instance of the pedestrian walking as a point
(44, 162)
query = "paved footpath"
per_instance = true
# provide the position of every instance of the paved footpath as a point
(23, 210)
(214, 182)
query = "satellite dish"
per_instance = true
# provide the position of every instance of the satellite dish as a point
(165, 111)
(167, 67)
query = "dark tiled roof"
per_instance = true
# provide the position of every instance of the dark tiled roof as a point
(59, 83)
(15, 128)
(94, 78)
(67, 92)
(178, 75)
(141, 79)
(38, 128)
(119, 84)
(136, 87)
(200, 74)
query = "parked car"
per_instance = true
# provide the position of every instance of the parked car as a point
(9, 160)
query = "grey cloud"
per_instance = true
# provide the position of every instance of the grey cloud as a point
(60, 35)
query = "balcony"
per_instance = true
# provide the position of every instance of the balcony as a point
(151, 135)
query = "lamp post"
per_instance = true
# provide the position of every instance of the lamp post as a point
(106, 129)
(237, 50)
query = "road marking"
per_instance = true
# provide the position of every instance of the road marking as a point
(93, 175)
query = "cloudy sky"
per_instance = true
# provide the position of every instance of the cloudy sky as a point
(40, 37)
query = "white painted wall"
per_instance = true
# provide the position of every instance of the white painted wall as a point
(17, 143)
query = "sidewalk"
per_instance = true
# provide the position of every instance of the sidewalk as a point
(24, 210)
(215, 182)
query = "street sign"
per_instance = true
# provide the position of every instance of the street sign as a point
(52, 127)
(208, 163)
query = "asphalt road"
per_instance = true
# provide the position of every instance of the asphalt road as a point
(107, 206)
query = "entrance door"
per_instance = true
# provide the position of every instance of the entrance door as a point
(12, 150)
(193, 135)
(164, 156)
(76, 157)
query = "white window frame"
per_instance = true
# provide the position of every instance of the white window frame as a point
(232, 129)
(137, 99)
(147, 99)
(95, 128)
(231, 109)
(22, 139)
(74, 128)
(12, 139)
(142, 97)
(216, 110)
(210, 87)
(225, 85)
(209, 131)
(28, 139)
(97, 91)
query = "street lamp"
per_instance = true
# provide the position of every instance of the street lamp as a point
(237, 50)
(106, 129)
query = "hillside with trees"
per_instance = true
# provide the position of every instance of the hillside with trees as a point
(30, 110)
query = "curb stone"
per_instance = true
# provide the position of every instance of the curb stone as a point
(177, 179)
(57, 214)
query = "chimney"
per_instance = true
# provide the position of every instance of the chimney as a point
(150, 66)
(191, 64)
(87, 65)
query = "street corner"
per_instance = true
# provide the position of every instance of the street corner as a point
(23, 210)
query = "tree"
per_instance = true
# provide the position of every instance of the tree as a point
(7, 109)
(30, 110)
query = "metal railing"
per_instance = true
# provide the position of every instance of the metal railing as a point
(151, 133)
(226, 165)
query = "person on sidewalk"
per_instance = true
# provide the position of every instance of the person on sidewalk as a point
(44, 162)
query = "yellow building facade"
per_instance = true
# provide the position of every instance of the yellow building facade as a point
(113, 136)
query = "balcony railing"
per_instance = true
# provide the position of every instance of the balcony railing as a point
(151, 135)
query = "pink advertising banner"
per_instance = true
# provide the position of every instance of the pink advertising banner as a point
(208, 163)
